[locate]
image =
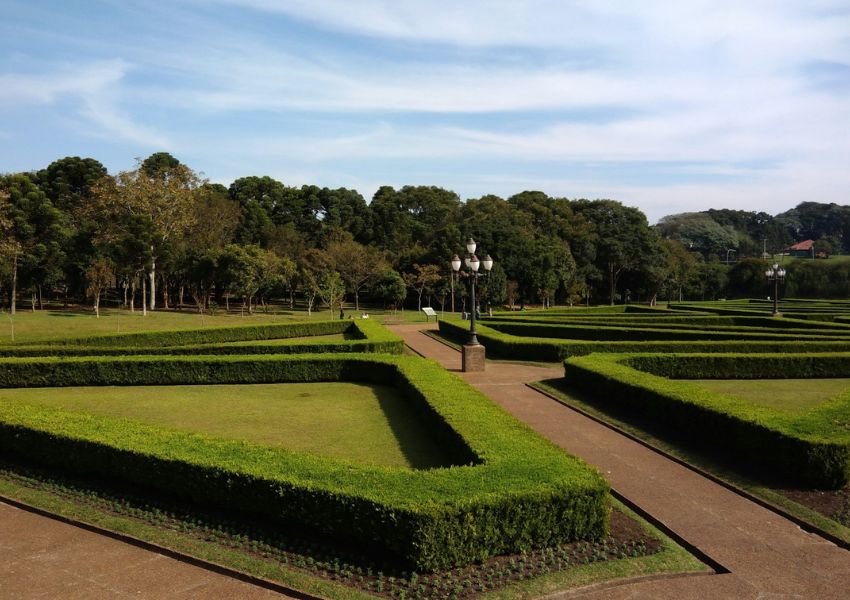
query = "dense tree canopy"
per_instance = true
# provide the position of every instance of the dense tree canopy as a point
(159, 234)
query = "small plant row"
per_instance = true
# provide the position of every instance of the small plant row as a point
(810, 449)
(366, 336)
(505, 345)
(349, 566)
(508, 491)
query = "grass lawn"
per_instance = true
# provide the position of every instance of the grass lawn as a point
(796, 395)
(363, 423)
(39, 326)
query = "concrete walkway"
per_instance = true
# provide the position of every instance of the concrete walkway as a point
(767, 556)
(44, 558)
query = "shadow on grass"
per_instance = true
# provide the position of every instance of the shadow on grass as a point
(421, 450)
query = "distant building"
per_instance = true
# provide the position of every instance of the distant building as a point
(805, 249)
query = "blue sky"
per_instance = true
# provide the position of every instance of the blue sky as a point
(666, 106)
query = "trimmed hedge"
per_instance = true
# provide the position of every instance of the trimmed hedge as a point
(369, 336)
(689, 321)
(811, 449)
(516, 490)
(599, 332)
(554, 349)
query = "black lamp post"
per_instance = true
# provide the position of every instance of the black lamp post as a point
(473, 351)
(777, 276)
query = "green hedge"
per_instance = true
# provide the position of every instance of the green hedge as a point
(811, 449)
(689, 321)
(598, 332)
(553, 349)
(512, 489)
(369, 336)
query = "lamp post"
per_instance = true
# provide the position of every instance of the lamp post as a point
(777, 276)
(472, 352)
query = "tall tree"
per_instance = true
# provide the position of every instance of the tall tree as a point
(99, 276)
(624, 240)
(68, 181)
(358, 265)
(168, 198)
(40, 230)
(161, 165)
(422, 279)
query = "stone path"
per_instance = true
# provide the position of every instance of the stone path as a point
(767, 556)
(44, 558)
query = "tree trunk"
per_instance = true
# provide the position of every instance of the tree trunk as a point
(32, 300)
(419, 309)
(133, 294)
(611, 281)
(14, 300)
(164, 293)
(180, 297)
(144, 295)
(97, 304)
(40, 299)
(124, 285)
(356, 300)
(153, 282)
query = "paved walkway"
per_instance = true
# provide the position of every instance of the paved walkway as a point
(44, 558)
(767, 555)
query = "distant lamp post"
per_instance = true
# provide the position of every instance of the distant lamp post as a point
(777, 276)
(473, 352)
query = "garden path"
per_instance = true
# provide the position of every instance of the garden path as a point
(44, 558)
(766, 555)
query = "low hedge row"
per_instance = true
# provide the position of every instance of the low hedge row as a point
(369, 336)
(554, 349)
(811, 449)
(512, 490)
(673, 320)
(599, 332)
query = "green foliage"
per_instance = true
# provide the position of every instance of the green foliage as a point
(517, 491)
(810, 449)
(554, 349)
(370, 336)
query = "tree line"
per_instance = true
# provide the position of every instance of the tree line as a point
(160, 235)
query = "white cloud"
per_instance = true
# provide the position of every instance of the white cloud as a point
(709, 84)
(96, 87)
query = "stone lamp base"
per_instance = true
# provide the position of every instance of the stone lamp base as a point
(472, 356)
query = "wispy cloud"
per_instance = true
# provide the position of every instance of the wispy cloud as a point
(94, 85)
(380, 90)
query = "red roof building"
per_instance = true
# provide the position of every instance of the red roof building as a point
(804, 249)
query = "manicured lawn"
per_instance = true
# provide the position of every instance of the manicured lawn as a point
(797, 395)
(54, 325)
(57, 324)
(364, 423)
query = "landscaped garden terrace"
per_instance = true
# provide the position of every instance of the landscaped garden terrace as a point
(776, 426)
(555, 335)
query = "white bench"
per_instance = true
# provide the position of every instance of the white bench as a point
(429, 312)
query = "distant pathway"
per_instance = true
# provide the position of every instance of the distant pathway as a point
(767, 555)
